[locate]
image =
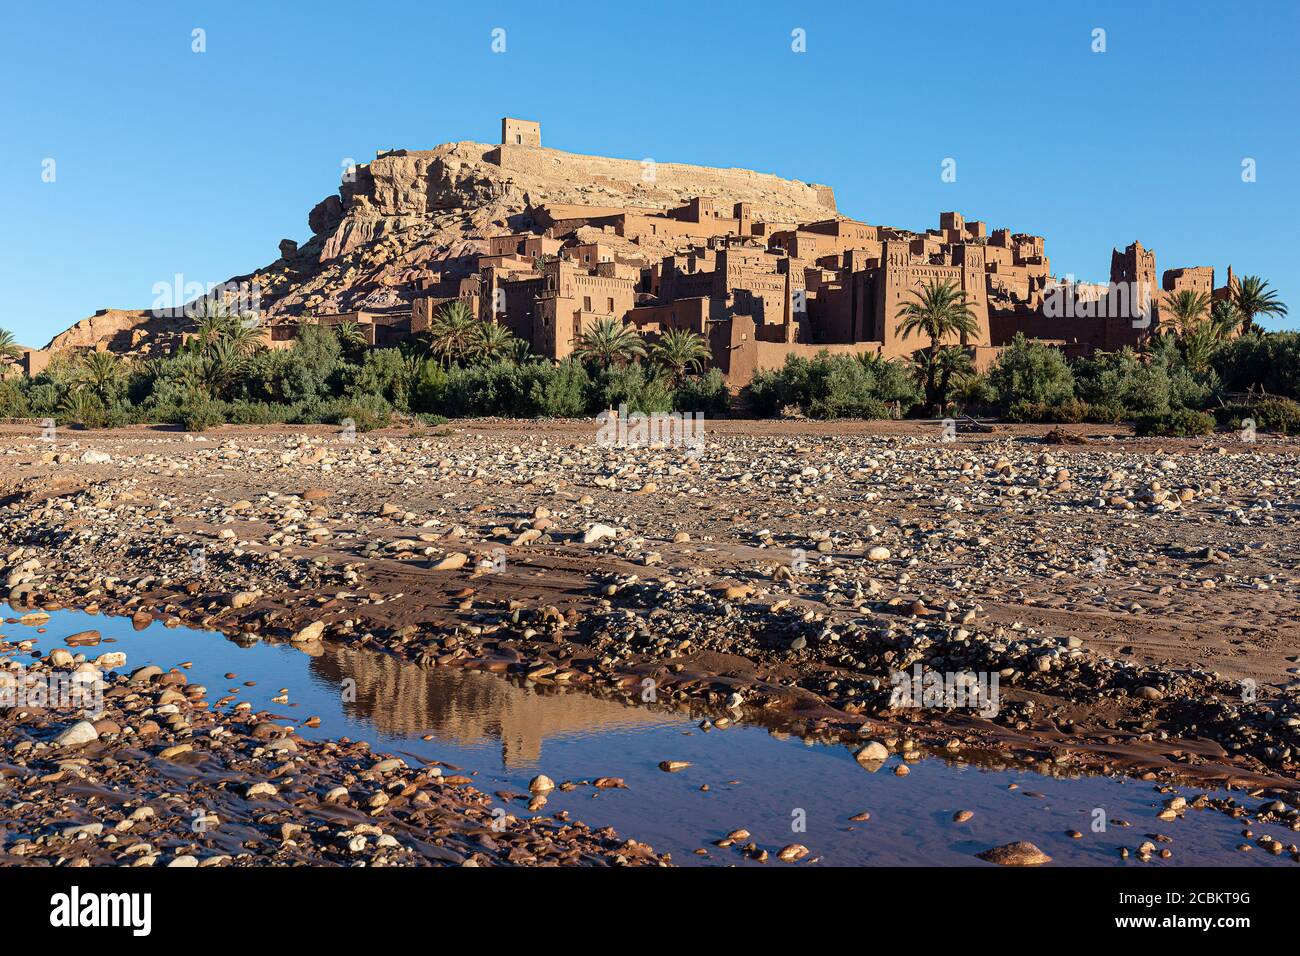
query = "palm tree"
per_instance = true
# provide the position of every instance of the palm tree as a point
(191, 369)
(940, 310)
(521, 352)
(1187, 308)
(492, 341)
(349, 335)
(98, 373)
(679, 350)
(941, 370)
(215, 321)
(412, 365)
(246, 338)
(9, 350)
(82, 407)
(211, 319)
(452, 331)
(1198, 341)
(610, 342)
(1252, 296)
(223, 365)
(1225, 315)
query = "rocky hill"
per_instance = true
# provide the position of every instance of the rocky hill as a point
(409, 217)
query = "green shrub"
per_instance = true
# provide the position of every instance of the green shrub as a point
(843, 388)
(633, 386)
(705, 393)
(1023, 412)
(766, 392)
(1187, 390)
(81, 408)
(13, 401)
(1071, 411)
(1120, 378)
(311, 370)
(1179, 423)
(429, 390)
(1068, 412)
(559, 391)
(975, 392)
(382, 372)
(503, 388)
(159, 414)
(262, 413)
(1029, 371)
(1105, 414)
(1281, 415)
(44, 399)
(120, 415)
(1231, 416)
(366, 412)
(893, 381)
(1268, 363)
(173, 384)
(835, 386)
(200, 415)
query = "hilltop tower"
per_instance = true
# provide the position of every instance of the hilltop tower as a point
(517, 132)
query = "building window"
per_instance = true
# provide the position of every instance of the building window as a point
(611, 305)
(586, 303)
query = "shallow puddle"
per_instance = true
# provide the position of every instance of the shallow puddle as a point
(779, 788)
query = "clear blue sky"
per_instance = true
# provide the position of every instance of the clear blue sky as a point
(168, 161)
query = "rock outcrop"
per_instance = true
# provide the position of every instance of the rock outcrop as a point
(119, 330)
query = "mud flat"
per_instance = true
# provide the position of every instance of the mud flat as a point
(1135, 599)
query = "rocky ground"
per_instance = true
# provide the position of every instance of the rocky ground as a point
(1136, 599)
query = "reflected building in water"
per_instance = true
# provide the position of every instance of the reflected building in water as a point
(468, 707)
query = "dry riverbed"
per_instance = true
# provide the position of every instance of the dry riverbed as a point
(1135, 599)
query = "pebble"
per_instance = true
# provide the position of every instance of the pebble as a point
(1019, 853)
(80, 733)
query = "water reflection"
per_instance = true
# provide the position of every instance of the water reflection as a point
(468, 707)
(746, 776)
